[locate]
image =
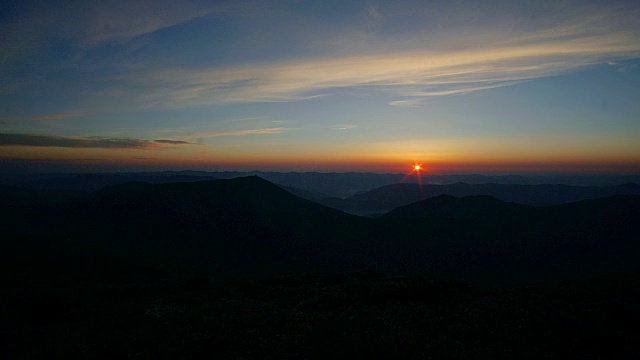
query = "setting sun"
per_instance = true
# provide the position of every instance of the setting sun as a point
(416, 167)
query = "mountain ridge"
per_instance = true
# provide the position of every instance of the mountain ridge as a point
(389, 197)
(251, 226)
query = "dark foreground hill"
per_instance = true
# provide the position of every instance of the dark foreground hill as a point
(320, 316)
(239, 226)
(484, 238)
(242, 268)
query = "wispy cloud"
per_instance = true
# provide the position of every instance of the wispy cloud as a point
(406, 74)
(343, 127)
(124, 19)
(209, 134)
(407, 103)
(41, 117)
(247, 119)
(27, 36)
(446, 48)
(419, 96)
(175, 142)
(40, 140)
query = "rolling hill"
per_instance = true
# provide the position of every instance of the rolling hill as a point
(387, 198)
(239, 226)
(241, 266)
(483, 238)
(249, 226)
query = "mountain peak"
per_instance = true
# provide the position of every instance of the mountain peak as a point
(447, 204)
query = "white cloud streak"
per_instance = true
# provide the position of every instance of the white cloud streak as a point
(124, 19)
(450, 49)
(465, 89)
(210, 134)
(409, 74)
(343, 127)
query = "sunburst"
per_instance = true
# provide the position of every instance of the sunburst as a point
(415, 169)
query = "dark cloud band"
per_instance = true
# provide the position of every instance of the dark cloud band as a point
(175, 142)
(82, 142)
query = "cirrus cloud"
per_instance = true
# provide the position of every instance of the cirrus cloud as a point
(42, 117)
(209, 134)
(411, 74)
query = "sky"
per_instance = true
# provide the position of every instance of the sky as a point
(457, 86)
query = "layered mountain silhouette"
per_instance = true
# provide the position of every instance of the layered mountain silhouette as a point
(241, 266)
(387, 198)
(333, 184)
(339, 185)
(240, 226)
(483, 238)
(249, 226)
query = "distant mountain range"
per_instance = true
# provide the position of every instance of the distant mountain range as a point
(325, 184)
(316, 185)
(387, 198)
(250, 227)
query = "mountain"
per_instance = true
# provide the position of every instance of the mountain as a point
(386, 198)
(249, 226)
(314, 196)
(241, 266)
(485, 239)
(339, 185)
(239, 226)
(333, 184)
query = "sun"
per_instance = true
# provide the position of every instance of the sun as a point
(416, 170)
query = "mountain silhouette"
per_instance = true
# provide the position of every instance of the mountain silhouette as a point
(386, 198)
(249, 226)
(483, 238)
(243, 225)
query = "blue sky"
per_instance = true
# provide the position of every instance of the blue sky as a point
(322, 85)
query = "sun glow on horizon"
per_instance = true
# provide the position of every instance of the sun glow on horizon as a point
(416, 168)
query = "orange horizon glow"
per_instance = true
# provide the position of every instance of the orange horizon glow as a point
(485, 97)
(415, 169)
(343, 161)
(399, 165)
(424, 157)
(351, 164)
